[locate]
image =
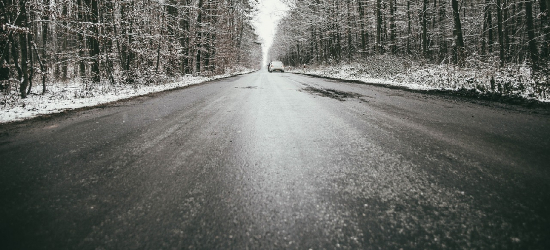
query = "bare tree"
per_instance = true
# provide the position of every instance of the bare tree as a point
(459, 40)
(23, 35)
(414, 28)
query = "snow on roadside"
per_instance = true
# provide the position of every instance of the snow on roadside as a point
(73, 95)
(512, 81)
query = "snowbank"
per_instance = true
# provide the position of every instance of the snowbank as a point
(512, 81)
(73, 95)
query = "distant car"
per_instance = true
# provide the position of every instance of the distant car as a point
(276, 66)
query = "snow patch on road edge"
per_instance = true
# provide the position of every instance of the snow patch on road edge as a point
(511, 82)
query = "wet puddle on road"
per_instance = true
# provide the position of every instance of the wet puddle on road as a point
(332, 93)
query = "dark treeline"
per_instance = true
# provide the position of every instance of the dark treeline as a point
(435, 31)
(124, 41)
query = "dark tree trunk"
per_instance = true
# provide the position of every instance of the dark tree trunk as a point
(22, 22)
(459, 40)
(45, 28)
(424, 29)
(45, 32)
(15, 56)
(4, 44)
(93, 41)
(198, 56)
(500, 33)
(64, 65)
(392, 27)
(505, 28)
(338, 48)
(378, 13)
(544, 4)
(409, 32)
(81, 40)
(531, 34)
(30, 58)
(443, 47)
(348, 31)
(42, 67)
(362, 20)
(487, 43)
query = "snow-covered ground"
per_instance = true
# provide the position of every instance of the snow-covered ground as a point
(485, 79)
(516, 81)
(72, 95)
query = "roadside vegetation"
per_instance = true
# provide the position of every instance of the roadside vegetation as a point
(496, 48)
(514, 83)
(86, 49)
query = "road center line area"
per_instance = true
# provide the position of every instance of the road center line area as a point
(279, 161)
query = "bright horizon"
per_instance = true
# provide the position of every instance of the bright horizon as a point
(265, 21)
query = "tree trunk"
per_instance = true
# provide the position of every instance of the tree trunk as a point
(30, 58)
(42, 68)
(64, 45)
(500, 33)
(392, 27)
(92, 40)
(338, 48)
(362, 20)
(130, 39)
(531, 34)
(379, 26)
(490, 38)
(544, 4)
(81, 40)
(45, 32)
(24, 67)
(424, 29)
(486, 43)
(505, 28)
(22, 22)
(15, 56)
(459, 40)
(348, 30)
(443, 48)
(409, 31)
(199, 42)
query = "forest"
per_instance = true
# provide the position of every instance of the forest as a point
(122, 42)
(502, 44)
(488, 46)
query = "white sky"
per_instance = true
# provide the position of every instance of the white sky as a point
(266, 20)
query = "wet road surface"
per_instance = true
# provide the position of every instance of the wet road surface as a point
(279, 161)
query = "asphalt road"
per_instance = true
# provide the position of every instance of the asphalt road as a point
(279, 161)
